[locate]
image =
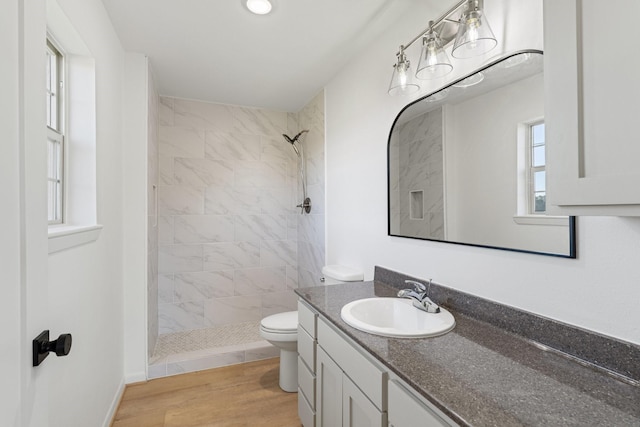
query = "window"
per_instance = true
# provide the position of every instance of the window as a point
(537, 173)
(55, 134)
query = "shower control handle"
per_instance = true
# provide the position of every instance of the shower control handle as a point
(305, 206)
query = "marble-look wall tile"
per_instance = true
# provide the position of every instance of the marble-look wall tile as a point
(231, 256)
(316, 194)
(255, 228)
(202, 285)
(202, 172)
(315, 170)
(228, 222)
(308, 278)
(179, 200)
(179, 258)
(278, 302)
(311, 230)
(260, 174)
(165, 229)
(293, 124)
(165, 111)
(276, 150)
(255, 281)
(229, 200)
(166, 293)
(180, 316)
(278, 253)
(310, 256)
(232, 146)
(276, 201)
(181, 142)
(292, 227)
(221, 311)
(292, 277)
(203, 228)
(202, 115)
(260, 122)
(165, 165)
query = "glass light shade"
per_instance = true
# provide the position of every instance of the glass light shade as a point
(474, 35)
(401, 79)
(434, 61)
(259, 7)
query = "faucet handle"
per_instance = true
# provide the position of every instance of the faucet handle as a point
(419, 287)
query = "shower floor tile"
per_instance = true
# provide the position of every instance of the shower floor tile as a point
(196, 350)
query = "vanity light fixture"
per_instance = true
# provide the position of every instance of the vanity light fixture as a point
(259, 7)
(402, 78)
(465, 25)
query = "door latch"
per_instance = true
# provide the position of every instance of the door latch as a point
(42, 346)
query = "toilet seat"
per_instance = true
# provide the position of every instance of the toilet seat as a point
(281, 323)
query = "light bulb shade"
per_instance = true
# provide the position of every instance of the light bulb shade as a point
(434, 61)
(402, 79)
(474, 35)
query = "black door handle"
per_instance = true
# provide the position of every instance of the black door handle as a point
(42, 346)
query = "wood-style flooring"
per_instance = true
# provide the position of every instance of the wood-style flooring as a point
(240, 395)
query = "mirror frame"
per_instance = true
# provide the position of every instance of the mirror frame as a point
(572, 219)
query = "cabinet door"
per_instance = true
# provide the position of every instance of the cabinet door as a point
(328, 391)
(357, 409)
(405, 410)
(591, 94)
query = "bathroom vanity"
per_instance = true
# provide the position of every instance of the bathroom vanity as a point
(478, 374)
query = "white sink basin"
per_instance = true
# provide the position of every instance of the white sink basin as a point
(396, 317)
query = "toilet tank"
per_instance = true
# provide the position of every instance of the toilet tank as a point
(334, 274)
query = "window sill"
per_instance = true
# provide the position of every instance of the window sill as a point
(63, 237)
(541, 220)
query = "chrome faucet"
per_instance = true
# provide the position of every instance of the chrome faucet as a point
(419, 297)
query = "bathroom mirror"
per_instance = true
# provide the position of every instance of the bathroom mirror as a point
(466, 164)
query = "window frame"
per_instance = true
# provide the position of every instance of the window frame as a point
(55, 134)
(532, 170)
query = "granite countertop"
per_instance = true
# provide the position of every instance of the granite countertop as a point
(481, 375)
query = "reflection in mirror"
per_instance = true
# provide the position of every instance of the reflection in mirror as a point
(467, 164)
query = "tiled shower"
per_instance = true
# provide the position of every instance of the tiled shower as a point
(232, 246)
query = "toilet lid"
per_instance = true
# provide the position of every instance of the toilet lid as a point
(285, 322)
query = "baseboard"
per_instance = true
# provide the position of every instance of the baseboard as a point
(114, 405)
(137, 377)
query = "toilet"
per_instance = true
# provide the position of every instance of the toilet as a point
(281, 330)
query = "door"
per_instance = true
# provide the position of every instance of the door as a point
(23, 215)
(357, 409)
(328, 391)
(591, 93)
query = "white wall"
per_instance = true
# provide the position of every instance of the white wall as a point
(86, 282)
(135, 251)
(598, 291)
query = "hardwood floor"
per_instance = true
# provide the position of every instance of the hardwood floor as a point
(240, 395)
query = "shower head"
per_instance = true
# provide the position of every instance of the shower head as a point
(293, 140)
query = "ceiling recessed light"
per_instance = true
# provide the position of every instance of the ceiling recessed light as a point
(259, 7)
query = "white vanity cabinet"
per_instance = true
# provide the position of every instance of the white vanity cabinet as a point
(591, 114)
(307, 363)
(350, 388)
